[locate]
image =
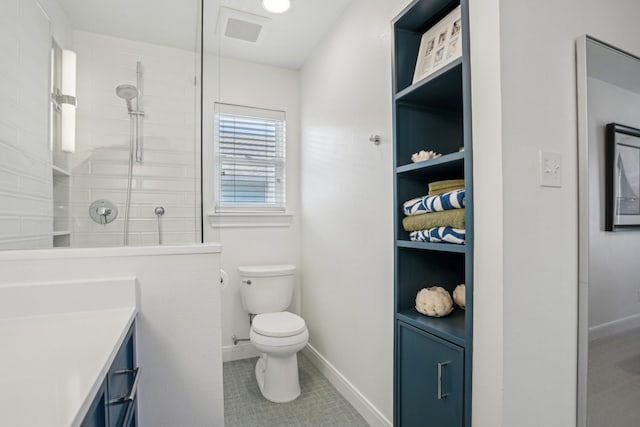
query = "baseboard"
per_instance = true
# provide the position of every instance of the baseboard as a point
(615, 327)
(244, 350)
(369, 412)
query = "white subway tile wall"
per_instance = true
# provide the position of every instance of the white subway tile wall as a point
(167, 176)
(26, 199)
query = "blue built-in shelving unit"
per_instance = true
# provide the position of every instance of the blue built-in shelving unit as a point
(433, 356)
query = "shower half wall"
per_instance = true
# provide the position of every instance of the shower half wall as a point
(168, 176)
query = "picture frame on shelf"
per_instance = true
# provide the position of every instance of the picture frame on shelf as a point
(622, 180)
(440, 45)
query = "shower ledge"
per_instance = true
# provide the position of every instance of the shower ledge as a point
(121, 251)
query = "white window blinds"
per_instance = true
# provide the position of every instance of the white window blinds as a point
(250, 158)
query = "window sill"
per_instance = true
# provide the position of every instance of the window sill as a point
(249, 219)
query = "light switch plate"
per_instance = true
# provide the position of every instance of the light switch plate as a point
(550, 169)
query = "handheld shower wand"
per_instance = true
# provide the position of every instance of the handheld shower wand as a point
(128, 93)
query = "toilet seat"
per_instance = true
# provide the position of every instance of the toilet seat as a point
(278, 325)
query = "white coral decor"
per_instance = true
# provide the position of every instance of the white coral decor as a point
(424, 155)
(459, 295)
(434, 301)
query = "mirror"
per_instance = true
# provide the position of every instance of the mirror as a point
(609, 182)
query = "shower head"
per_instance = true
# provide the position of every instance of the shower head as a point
(127, 92)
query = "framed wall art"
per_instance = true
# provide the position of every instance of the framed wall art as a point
(622, 179)
(440, 45)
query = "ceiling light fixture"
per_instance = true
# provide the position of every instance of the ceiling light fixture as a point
(276, 6)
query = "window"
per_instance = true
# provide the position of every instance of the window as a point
(250, 159)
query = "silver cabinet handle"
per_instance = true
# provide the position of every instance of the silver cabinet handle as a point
(248, 282)
(441, 394)
(134, 387)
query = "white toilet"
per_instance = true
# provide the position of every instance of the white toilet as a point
(266, 292)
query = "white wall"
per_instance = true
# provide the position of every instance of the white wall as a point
(61, 28)
(250, 240)
(539, 232)
(167, 176)
(178, 325)
(488, 319)
(26, 204)
(347, 232)
(613, 266)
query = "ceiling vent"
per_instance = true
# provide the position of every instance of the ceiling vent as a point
(243, 30)
(241, 25)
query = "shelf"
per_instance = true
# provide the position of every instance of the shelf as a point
(450, 328)
(61, 239)
(58, 171)
(431, 114)
(441, 247)
(421, 15)
(447, 163)
(442, 89)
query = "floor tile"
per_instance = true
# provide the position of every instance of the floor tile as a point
(613, 389)
(319, 403)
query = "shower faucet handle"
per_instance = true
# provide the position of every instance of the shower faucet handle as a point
(103, 211)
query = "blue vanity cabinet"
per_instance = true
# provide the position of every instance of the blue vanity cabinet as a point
(115, 404)
(432, 356)
(97, 414)
(131, 418)
(122, 384)
(429, 380)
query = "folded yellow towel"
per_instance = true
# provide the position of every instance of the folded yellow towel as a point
(449, 218)
(445, 190)
(441, 187)
(435, 185)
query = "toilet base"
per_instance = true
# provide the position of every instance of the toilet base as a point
(277, 377)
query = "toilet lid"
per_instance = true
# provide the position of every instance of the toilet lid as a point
(282, 324)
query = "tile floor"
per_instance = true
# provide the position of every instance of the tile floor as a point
(613, 389)
(319, 405)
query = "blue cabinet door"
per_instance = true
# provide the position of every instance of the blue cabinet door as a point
(120, 382)
(131, 419)
(429, 380)
(96, 416)
(115, 403)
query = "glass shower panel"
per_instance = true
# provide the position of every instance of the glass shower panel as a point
(135, 169)
(134, 156)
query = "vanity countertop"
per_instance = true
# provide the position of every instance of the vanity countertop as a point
(52, 366)
(58, 341)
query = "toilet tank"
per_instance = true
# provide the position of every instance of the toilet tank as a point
(266, 288)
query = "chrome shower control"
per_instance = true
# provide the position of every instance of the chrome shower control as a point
(103, 211)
